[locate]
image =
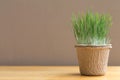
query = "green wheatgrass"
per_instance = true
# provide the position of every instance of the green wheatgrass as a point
(92, 28)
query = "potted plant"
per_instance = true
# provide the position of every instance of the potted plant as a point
(93, 43)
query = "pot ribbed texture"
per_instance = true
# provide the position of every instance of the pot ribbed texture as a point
(93, 60)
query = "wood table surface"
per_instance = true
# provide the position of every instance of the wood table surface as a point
(53, 73)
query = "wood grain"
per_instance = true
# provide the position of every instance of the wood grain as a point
(52, 73)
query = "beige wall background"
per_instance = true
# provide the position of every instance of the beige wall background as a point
(39, 32)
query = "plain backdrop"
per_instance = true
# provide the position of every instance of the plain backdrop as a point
(39, 32)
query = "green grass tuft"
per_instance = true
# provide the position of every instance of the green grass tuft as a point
(92, 29)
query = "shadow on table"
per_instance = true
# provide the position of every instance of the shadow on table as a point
(78, 76)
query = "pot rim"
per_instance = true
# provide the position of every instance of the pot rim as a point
(90, 45)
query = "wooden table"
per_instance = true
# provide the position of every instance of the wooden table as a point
(52, 73)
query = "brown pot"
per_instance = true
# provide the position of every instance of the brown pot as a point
(93, 60)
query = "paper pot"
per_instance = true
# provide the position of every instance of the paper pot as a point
(93, 60)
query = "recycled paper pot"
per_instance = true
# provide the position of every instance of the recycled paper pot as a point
(93, 60)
